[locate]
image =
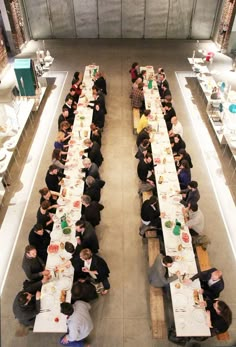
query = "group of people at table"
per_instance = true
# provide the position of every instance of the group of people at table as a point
(218, 313)
(91, 272)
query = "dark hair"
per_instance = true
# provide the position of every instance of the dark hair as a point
(182, 151)
(95, 88)
(194, 207)
(193, 184)
(43, 191)
(142, 72)
(56, 154)
(134, 65)
(38, 227)
(29, 248)
(185, 164)
(146, 112)
(148, 155)
(72, 89)
(52, 167)
(64, 124)
(167, 260)
(69, 247)
(22, 298)
(153, 199)
(168, 104)
(76, 75)
(64, 109)
(76, 290)
(45, 204)
(69, 98)
(80, 223)
(225, 312)
(178, 135)
(145, 142)
(67, 308)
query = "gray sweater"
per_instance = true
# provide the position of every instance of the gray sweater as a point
(79, 323)
(157, 272)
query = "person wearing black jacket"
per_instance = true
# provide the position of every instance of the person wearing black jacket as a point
(40, 239)
(212, 283)
(91, 210)
(69, 105)
(32, 265)
(145, 167)
(150, 212)
(94, 152)
(93, 188)
(53, 178)
(144, 134)
(25, 307)
(100, 83)
(86, 236)
(64, 116)
(90, 168)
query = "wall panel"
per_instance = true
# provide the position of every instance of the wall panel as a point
(203, 19)
(109, 13)
(133, 18)
(63, 21)
(179, 18)
(156, 19)
(86, 18)
(38, 17)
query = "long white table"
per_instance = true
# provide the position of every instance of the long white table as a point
(50, 319)
(189, 319)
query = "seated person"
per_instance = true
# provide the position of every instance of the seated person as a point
(182, 155)
(219, 317)
(48, 195)
(96, 134)
(158, 271)
(93, 151)
(184, 174)
(64, 116)
(100, 83)
(40, 239)
(169, 113)
(144, 134)
(44, 217)
(190, 195)
(194, 219)
(91, 210)
(177, 143)
(145, 170)
(150, 212)
(93, 188)
(26, 306)
(212, 283)
(53, 178)
(83, 290)
(86, 236)
(91, 169)
(143, 149)
(143, 121)
(72, 94)
(32, 265)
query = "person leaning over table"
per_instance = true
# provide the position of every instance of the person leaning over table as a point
(79, 323)
(69, 105)
(93, 188)
(219, 316)
(83, 290)
(33, 266)
(143, 121)
(40, 239)
(182, 155)
(146, 173)
(190, 195)
(184, 174)
(65, 128)
(143, 149)
(212, 283)
(194, 219)
(64, 116)
(91, 210)
(57, 159)
(51, 196)
(44, 217)
(157, 273)
(96, 134)
(53, 178)
(72, 94)
(93, 151)
(86, 236)
(90, 169)
(26, 306)
(177, 143)
(144, 134)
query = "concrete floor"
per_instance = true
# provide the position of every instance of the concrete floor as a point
(122, 318)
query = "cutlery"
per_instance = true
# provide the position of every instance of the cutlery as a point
(45, 310)
(180, 310)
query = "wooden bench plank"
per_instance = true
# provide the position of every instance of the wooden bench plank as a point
(147, 195)
(156, 296)
(223, 337)
(136, 118)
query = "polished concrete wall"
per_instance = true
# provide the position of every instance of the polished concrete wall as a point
(167, 19)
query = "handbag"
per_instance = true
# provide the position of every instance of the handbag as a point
(98, 286)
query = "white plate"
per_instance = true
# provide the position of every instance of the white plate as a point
(198, 315)
(180, 300)
(2, 153)
(61, 201)
(64, 283)
(47, 301)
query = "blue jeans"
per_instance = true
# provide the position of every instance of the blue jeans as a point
(72, 343)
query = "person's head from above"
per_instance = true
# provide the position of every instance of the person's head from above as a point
(87, 163)
(65, 112)
(77, 82)
(53, 169)
(168, 106)
(93, 126)
(80, 225)
(160, 70)
(193, 185)
(86, 254)
(67, 308)
(147, 112)
(45, 205)
(216, 275)
(64, 126)
(60, 136)
(30, 251)
(76, 290)
(193, 207)
(38, 229)
(90, 180)
(137, 82)
(148, 129)
(24, 298)
(162, 76)
(145, 143)
(153, 200)
(182, 152)
(223, 310)
(167, 261)
(135, 65)
(69, 247)
(140, 86)
(45, 192)
(98, 74)
(143, 72)
(56, 154)
(86, 200)
(168, 98)
(76, 75)
(72, 91)
(69, 100)
(148, 158)
(88, 143)
(95, 90)
(174, 120)
(184, 165)
(177, 138)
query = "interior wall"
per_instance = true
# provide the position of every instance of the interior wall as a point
(175, 19)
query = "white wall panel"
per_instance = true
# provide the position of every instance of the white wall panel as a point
(109, 13)
(203, 19)
(63, 22)
(38, 17)
(86, 18)
(179, 19)
(133, 18)
(156, 19)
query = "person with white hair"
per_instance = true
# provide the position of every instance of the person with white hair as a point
(90, 168)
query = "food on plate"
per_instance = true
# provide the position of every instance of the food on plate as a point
(72, 142)
(180, 247)
(157, 160)
(168, 150)
(63, 193)
(196, 297)
(178, 258)
(53, 289)
(76, 203)
(66, 231)
(63, 296)
(53, 248)
(164, 160)
(185, 237)
(62, 245)
(177, 285)
(168, 224)
(161, 179)
(56, 319)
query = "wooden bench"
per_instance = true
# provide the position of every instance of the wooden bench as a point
(136, 118)
(204, 264)
(156, 296)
